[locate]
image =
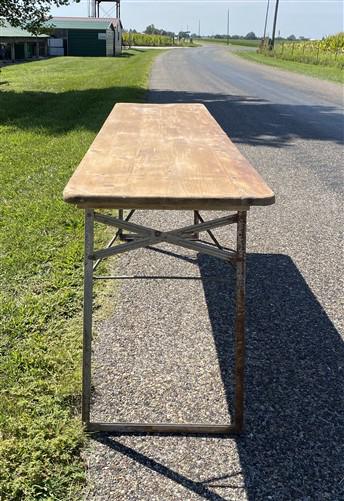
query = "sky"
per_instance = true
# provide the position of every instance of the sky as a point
(308, 18)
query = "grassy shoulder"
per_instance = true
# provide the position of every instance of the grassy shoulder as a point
(314, 70)
(50, 111)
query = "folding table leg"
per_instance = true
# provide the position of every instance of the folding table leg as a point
(120, 216)
(239, 328)
(88, 303)
(125, 236)
(195, 236)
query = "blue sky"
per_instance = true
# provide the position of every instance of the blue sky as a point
(310, 18)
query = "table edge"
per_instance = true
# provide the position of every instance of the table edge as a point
(156, 203)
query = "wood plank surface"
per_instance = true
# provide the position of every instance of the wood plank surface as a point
(165, 156)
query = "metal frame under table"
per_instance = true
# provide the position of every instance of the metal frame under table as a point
(142, 237)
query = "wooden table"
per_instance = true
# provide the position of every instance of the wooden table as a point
(165, 157)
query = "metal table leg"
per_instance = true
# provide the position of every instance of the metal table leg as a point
(87, 335)
(239, 328)
(120, 216)
(195, 236)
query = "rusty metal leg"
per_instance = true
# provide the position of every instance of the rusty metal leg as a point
(195, 236)
(239, 368)
(125, 236)
(120, 216)
(88, 303)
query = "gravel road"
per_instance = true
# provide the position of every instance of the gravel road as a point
(164, 351)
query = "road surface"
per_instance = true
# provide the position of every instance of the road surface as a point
(163, 353)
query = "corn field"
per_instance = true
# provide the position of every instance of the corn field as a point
(327, 52)
(130, 39)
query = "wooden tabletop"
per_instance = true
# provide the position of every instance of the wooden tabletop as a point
(165, 156)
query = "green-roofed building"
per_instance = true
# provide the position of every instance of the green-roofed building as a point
(18, 44)
(85, 36)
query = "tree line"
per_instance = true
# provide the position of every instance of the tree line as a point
(252, 36)
(152, 30)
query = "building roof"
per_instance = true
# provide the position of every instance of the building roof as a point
(8, 31)
(82, 23)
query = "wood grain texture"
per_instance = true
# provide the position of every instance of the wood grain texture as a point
(165, 156)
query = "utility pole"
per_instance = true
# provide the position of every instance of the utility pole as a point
(274, 27)
(266, 19)
(228, 27)
(199, 28)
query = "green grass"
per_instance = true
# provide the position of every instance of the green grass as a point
(50, 111)
(323, 72)
(234, 41)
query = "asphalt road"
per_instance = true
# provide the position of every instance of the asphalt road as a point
(292, 129)
(163, 352)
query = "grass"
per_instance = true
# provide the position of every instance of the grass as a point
(50, 111)
(233, 41)
(314, 70)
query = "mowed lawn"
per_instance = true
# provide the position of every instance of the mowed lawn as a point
(50, 111)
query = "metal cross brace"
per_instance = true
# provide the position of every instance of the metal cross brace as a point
(145, 236)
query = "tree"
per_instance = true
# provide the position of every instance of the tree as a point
(291, 37)
(151, 30)
(29, 14)
(251, 36)
(183, 35)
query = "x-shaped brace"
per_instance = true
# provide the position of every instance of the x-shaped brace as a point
(145, 236)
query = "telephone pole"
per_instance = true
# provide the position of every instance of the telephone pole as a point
(227, 26)
(266, 19)
(199, 28)
(274, 27)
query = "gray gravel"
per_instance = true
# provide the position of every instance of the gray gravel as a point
(165, 351)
